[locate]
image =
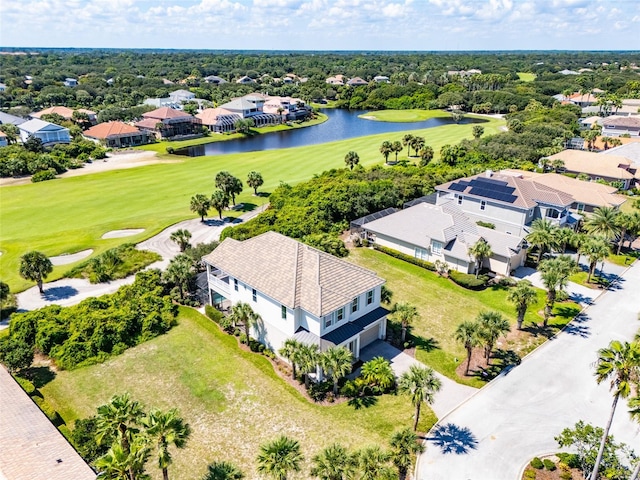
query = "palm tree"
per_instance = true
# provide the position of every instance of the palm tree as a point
(417, 144)
(255, 180)
(405, 445)
(541, 236)
(279, 458)
(291, 351)
(603, 222)
(479, 251)
(620, 363)
(406, 141)
(223, 471)
(492, 325)
(385, 150)
(377, 372)
(522, 296)
(166, 428)
(242, 313)
(336, 362)
(405, 313)
(627, 222)
(554, 274)
(333, 463)
(468, 333)
(595, 249)
(397, 148)
(36, 267)
(200, 205)
(563, 237)
(351, 159)
(180, 272)
(373, 463)
(181, 237)
(124, 464)
(385, 294)
(426, 155)
(219, 201)
(307, 361)
(421, 384)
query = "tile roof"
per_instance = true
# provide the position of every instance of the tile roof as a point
(292, 273)
(164, 113)
(591, 163)
(209, 116)
(32, 448)
(621, 122)
(36, 125)
(108, 129)
(64, 112)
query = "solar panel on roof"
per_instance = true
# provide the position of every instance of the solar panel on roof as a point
(490, 181)
(457, 187)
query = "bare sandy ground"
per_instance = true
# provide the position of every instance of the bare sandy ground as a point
(123, 233)
(71, 257)
(115, 161)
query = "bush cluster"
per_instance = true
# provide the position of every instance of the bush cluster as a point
(118, 262)
(407, 258)
(468, 281)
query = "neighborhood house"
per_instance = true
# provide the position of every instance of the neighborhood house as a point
(118, 135)
(48, 133)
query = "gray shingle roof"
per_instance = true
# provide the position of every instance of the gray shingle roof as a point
(351, 329)
(292, 273)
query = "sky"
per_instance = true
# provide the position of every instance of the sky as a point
(421, 25)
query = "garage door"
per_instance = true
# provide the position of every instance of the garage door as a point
(370, 335)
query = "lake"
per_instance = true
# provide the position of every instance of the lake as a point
(341, 124)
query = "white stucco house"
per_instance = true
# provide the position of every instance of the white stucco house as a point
(49, 133)
(299, 292)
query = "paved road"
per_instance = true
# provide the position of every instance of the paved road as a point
(498, 430)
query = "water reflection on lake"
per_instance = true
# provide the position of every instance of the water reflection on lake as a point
(342, 124)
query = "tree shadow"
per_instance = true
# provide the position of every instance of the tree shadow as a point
(577, 326)
(244, 207)
(538, 330)
(39, 376)
(503, 362)
(453, 439)
(426, 344)
(362, 402)
(59, 293)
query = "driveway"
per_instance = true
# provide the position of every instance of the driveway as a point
(514, 418)
(451, 393)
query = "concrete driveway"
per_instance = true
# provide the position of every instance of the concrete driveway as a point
(514, 418)
(451, 394)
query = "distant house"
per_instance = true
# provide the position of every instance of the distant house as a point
(64, 112)
(443, 232)
(246, 80)
(356, 82)
(583, 99)
(588, 122)
(166, 81)
(299, 292)
(381, 79)
(214, 80)
(70, 82)
(219, 120)
(610, 168)
(3, 87)
(180, 96)
(3, 140)
(251, 106)
(568, 72)
(118, 135)
(49, 133)
(169, 122)
(289, 108)
(12, 119)
(615, 126)
(629, 149)
(336, 80)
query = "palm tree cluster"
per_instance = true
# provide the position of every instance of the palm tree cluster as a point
(137, 434)
(484, 331)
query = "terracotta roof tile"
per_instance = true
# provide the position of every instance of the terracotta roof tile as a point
(108, 129)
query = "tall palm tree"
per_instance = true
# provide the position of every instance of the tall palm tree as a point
(627, 222)
(242, 313)
(351, 159)
(619, 363)
(334, 463)
(522, 296)
(492, 326)
(406, 141)
(378, 373)
(279, 458)
(120, 418)
(219, 201)
(397, 148)
(417, 144)
(468, 333)
(554, 274)
(421, 384)
(308, 361)
(603, 222)
(255, 180)
(336, 362)
(479, 251)
(595, 249)
(541, 236)
(291, 351)
(200, 204)
(181, 237)
(166, 428)
(180, 272)
(373, 464)
(36, 267)
(405, 445)
(405, 313)
(223, 471)
(386, 149)
(563, 237)
(121, 464)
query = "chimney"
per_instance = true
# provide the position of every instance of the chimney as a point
(488, 173)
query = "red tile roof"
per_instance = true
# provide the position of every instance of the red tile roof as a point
(108, 129)
(164, 113)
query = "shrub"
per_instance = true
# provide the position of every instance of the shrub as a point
(407, 258)
(571, 460)
(549, 465)
(213, 313)
(318, 391)
(537, 463)
(490, 225)
(237, 332)
(49, 411)
(350, 389)
(43, 175)
(468, 281)
(26, 385)
(170, 150)
(530, 475)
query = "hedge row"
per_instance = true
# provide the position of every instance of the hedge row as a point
(407, 258)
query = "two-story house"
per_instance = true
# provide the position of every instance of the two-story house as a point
(508, 201)
(299, 292)
(610, 168)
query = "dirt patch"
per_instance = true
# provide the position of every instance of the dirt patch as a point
(68, 258)
(122, 233)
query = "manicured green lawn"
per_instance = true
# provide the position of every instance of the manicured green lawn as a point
(443, 305)
(581, 279)
(527, 77)
(233, 399)
(68, 215)
(404, 115)
(622, 259)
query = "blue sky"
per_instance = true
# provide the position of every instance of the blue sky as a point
(324, 24)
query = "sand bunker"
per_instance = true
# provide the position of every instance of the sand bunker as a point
(67, 258)
(123, 233)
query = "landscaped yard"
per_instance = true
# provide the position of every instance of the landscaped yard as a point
(233, 399)
(71, 214)
(404, 115)
(443, 305)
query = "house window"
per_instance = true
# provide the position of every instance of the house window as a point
(254, 295)
(283, 311)
(235, 284)
(436, 247)
(580, 207)
(421, 253)
(483, 204)
(328, 320)
(459, 199)
(340, 315)
(369, 297)
(552, 213)
(354, 305)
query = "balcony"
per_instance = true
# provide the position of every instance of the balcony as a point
(219, 282)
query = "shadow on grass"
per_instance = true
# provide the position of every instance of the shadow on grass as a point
(245, 207)
(362, 402)
(39, 376)
(451, 438)
(502, 363)
(426, 344)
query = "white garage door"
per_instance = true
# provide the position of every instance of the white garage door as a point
(370, 335)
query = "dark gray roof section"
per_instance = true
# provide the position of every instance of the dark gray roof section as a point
(303, 335)
(371, 217)
(431, 199)
(352, 329)
(12, 119)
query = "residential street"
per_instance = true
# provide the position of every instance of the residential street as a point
(497, 431)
